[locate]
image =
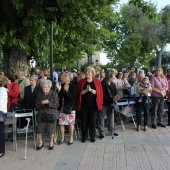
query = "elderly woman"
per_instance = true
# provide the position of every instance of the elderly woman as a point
(89, 101)
(159, 86)
(47, 103)
(31, 93)
(3, 108)
(109, 95)
(67, 106)
(122, 85)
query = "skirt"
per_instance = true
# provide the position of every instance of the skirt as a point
(67, 119)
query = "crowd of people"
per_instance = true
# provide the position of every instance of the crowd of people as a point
(86, 95)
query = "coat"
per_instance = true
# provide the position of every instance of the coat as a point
(13, 94)
(30, 97)
(43, 127)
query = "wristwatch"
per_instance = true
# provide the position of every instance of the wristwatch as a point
(91, 90)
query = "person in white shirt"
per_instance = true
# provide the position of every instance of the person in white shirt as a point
(3, 108)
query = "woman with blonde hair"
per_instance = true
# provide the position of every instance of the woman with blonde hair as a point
(159, 86)
(89, 102)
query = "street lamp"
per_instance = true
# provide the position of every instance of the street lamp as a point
(51, 6)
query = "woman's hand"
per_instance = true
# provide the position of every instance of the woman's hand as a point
(45, 101)
(58, 85)
(116, 97)
(66, 87)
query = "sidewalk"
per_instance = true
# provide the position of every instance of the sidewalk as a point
(131, 150)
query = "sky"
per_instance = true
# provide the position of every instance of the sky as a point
(159, 3)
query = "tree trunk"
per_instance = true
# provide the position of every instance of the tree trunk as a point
(15, 59)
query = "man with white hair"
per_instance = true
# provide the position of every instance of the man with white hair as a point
(23, 82)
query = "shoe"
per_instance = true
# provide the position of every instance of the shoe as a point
(115, 134)
(51, 147)
(84, 140)
(161, 125)
(138, 127)
(145, 128)
(101, 137)
(153, 126)
(61, 142)
(1, 154)
(93, 140)
(70, 143)
(168, 124)
(40, 147)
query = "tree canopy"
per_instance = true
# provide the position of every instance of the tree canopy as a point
(77, 28)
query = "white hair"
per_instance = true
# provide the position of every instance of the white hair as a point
(48, 82)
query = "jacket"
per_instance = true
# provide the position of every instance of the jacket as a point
(99, 93)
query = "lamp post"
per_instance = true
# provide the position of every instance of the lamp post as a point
(51, 6)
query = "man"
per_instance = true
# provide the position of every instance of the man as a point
(23, 82)
(55, 75)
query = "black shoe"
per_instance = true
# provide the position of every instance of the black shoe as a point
(161, 125)
(153, 126)
(101, 137)
(84, 140)
(40, 147)
(115, 134)
(51, 147)
(93, 140)
(1, 154)
(61, 142)
(70, 143)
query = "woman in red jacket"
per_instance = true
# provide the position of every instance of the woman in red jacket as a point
(12, 89)
(89, 101)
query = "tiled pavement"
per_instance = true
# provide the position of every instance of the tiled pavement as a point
(131, 150)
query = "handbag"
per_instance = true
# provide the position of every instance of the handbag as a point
(2, 116)
(15, 106)
(126, 110)
(67, 109)
(48, 117)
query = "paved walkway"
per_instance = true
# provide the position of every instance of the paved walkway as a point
(131, 150)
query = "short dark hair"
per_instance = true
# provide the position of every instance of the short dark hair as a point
(10, 77)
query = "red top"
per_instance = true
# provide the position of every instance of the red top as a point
(99, 93)
(13, 94)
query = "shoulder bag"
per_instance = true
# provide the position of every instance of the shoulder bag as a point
(2, 116)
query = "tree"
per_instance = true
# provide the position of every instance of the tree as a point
(24, 30)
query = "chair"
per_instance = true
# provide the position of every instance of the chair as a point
(10, 120)
(122, 103)
(23, 113)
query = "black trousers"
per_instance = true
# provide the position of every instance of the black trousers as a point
(2, 138)
(168, 112)
(88, 121)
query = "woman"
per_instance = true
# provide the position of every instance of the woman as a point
(122, 85)
(89, 101)
(3, 108)
(12, 89)
(109, 95)
(168, 94)
(66, 94)
(142, 102)
(47, 103)
(43, 75)
(159, 86)
(31, 93)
